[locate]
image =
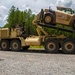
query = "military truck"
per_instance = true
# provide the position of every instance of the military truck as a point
(15, 38)
(64, 16)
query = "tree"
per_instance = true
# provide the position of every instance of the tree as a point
(16, 17)
(11, 17)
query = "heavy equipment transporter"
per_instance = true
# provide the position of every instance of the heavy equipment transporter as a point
(15, 38)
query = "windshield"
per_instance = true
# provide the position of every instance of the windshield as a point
(67, 11)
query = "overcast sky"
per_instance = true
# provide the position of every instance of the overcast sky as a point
(34, 5)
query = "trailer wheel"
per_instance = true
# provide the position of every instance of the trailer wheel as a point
(68, 46)
(48, 18)
(26, 47)
(15, 45)
(5, 45)
(51, 46)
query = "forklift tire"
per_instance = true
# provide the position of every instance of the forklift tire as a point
(15, 45)
(48, 18)
(26, 47)
(68, 46)
(4, 45)
(51, 46)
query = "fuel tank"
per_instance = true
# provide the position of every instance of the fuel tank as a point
(33, 41)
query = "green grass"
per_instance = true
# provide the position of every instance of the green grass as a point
(36, 47)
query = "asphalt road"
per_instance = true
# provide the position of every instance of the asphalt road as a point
(36, 63)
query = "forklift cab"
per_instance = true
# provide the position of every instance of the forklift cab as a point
(67, 10)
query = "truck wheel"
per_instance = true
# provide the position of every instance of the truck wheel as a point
(5, 45)
(26, 47)
(15, 45)
(51, 46)
(68, 46)
(48, 18)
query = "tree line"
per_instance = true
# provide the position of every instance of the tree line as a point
(25, 17)
(17, 16)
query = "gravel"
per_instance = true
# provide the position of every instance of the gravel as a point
(36, 63)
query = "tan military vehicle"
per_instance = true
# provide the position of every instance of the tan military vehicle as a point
(16, 39)
(62, 15)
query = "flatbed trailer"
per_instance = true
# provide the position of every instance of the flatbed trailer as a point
(55, 27)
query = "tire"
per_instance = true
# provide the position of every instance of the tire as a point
(51, 46)
(26, 47)
(48, 18)
(15, 45)
(68, 46)
(5, 45)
